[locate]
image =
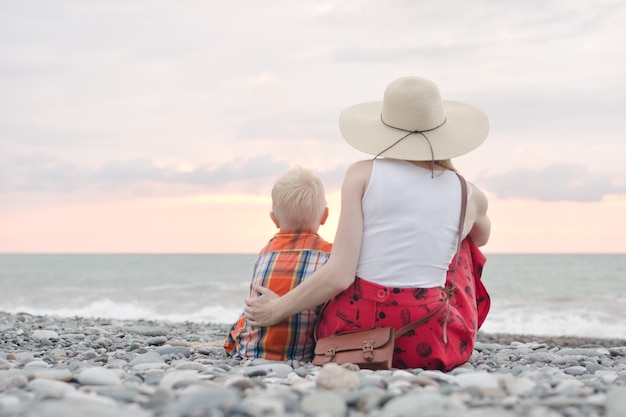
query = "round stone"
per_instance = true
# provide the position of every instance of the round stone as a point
(98, 376)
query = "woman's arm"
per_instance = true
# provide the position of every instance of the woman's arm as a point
(477, 211)
(336, 275)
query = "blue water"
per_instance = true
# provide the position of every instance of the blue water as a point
(577, 295)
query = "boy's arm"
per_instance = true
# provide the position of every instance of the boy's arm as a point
(339, 271)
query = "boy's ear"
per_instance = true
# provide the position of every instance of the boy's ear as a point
(274, 219)
(324, 216)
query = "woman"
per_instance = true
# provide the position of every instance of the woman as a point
(398, 231)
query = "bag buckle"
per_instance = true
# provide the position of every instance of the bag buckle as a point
(330, 354)
(368, 350)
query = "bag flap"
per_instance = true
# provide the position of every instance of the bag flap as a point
(377, 337)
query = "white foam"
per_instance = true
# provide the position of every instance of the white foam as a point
(106, 308)
(504, 317)
(551, 321)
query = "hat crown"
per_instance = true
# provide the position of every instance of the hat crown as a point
(413, 104)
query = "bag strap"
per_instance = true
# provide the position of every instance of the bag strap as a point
(449, 291)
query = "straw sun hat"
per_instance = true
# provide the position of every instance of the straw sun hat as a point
(412, 122)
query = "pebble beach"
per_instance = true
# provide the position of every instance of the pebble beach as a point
(65, 367)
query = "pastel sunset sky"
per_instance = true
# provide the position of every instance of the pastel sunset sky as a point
(160, 126)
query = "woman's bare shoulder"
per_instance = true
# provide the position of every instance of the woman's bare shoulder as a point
(359, 171)
(363, 164)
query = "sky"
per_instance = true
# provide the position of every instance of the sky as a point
(147, 126)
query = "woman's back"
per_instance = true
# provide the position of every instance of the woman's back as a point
(410, 228)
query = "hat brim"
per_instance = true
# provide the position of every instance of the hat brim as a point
(465, 128)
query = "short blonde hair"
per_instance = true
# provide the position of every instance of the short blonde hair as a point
(298, 200)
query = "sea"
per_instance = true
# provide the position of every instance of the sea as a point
(581, 295)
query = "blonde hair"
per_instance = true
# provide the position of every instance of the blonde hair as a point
(298, 200)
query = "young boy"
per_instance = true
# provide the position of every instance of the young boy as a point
(295, 252)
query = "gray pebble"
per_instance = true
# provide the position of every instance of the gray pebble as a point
(98, 376)
(50, 388)
(616, 402)
(180, 351)
(171, 379)
(428, 404)
(324, 403)
(153, 377)
(41, 335)
(149, 330)
(80, 408)
(156, 341)
(152, 369)
(267, 368)
(149, 357)
(575, 370)
(262, 406)
(203, 402)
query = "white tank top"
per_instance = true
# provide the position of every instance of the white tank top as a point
(410, 225)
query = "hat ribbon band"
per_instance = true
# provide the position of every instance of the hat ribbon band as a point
(409, 133)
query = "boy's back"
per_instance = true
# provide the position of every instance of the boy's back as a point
(282, 264)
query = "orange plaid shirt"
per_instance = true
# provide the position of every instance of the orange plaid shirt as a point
(282, 264)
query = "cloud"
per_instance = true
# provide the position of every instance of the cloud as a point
(558, 182)
(35, 174)
(42, 173)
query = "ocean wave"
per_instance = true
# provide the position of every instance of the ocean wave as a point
(571, 321)
(107, 308)
(503, 318)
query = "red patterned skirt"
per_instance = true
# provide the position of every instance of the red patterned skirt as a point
(365, 305)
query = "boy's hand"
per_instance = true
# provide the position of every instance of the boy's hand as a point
(260, 311)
